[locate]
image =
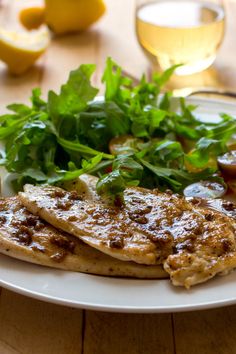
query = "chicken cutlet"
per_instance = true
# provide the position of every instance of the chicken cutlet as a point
(187, 245)
(194, 243)
(107, 228)
(26, 237)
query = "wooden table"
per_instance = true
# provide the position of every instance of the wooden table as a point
(28, 326)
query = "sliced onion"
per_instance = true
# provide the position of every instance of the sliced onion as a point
(227, 163)
(205, 189)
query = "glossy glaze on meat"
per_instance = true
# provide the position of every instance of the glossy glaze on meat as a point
(194, 243)
(106, 228)
(25, 236)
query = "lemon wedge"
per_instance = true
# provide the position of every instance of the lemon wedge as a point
(20, 50)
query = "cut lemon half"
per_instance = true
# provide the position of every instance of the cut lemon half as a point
(20, 50)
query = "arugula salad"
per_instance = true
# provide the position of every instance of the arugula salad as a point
(131, 137)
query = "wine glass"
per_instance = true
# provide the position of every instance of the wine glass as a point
(187, 32)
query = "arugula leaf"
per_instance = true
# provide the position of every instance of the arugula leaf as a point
(129, 169)
(177, 179)
(74, 95)
(168, 153)
(37, 102)
(162, 78)
(111, 185)
(115, 82)
(204, 150)
(69, 134)
(82, 149)
(21, 109)
(165, 175)
(87, 166)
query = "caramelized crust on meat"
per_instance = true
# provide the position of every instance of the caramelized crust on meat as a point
(204, 237)
(194, 243)
(204, 246)
(109, 229)
(25, 236)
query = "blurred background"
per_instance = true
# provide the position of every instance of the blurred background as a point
(112, 35)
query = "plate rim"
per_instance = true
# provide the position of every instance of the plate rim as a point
(204, 305)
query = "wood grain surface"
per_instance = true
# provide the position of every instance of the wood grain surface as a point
(29, 326)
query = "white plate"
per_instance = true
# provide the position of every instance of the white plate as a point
(120, 295)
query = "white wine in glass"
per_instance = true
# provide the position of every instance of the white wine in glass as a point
(180, 32)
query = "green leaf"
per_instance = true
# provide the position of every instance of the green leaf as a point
(116, 120)
(162, 78)
(115, 82)
(35, 173)
(111, 185)
(82, 149)
(70, 134)
(38, 103)
(156, 116)
(168, 153)
(74, 95)
(128, 167)
(87, 167)
(204, 150)
(165, 101)
(164, 174)
(19, 108)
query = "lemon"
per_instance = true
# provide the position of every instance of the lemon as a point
(20, 50)
(64, 16)
(32, 17)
